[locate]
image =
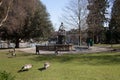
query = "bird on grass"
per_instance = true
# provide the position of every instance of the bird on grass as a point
(26, 67)
(46, 65)
(12, 52)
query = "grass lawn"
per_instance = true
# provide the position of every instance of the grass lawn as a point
(97, 66)
(114, 46)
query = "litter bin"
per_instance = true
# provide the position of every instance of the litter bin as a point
(91, 42)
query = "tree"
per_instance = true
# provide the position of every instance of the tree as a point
(4, 11)
(19, 11)
(27, 19)
(39, 24)
(96, 18)
(75, 15)
(114, 26)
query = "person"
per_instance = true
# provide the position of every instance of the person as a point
(37, 50)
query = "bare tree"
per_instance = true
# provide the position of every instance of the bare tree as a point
(75, 15)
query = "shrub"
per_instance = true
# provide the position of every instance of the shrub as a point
(6, 76)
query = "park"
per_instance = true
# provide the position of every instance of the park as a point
(84, 45)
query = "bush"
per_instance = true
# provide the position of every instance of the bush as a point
(6, 76)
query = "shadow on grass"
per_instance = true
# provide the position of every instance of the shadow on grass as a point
(51, 57)
(19, 71)
(41, 69)
(23, 54)
(90, 59)
(101, 59)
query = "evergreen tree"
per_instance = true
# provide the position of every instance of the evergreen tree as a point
(114, 26)
(26, 19)
(96, 18)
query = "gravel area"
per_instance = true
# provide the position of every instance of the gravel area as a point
(90, 50)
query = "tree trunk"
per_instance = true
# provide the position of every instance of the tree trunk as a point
(17, 43)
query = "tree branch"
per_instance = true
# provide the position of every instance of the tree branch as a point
(6, 16)
(0, 2)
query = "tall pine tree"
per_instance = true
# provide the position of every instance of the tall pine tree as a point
(115, 22)
(96, 18)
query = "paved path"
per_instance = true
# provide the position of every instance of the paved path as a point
(90, 50)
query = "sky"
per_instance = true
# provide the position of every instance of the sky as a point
(55, 9)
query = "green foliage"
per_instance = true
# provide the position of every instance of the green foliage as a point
(27, 19)
(40, 23)
(6, 76)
